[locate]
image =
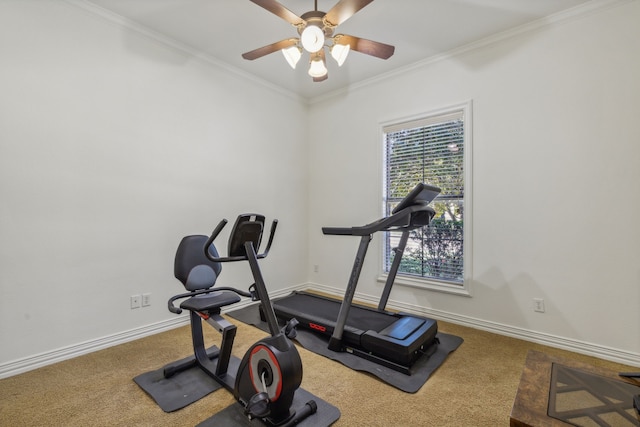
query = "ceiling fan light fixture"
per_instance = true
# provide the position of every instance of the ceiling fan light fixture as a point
(317, 68)
(312, 38)
(292, 55)
(339, 52)
(316, 30)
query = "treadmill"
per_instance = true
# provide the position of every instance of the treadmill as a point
(394, 340)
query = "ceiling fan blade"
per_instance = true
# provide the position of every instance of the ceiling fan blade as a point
(344, 10)
(265, 50)
(377, 49)
(277, 9)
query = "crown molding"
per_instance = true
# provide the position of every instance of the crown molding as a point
(592, 7)
(155, 36)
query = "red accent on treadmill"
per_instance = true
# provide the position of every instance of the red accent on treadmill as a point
(317, 327)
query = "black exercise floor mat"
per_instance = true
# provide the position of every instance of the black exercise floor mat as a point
(182, 389)
(420, 371)
(234, 416)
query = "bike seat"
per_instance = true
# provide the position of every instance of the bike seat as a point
(210, 301)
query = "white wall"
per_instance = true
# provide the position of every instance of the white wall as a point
(112, 147)
(556, 149)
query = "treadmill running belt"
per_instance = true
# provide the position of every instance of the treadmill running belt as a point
(324, 311)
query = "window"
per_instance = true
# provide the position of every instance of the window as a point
(434, 149)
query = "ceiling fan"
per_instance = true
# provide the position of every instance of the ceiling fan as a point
(315, 28)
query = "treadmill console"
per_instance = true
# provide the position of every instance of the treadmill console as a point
(418, 199)
(422, 194)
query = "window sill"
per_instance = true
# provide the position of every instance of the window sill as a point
(429, 284)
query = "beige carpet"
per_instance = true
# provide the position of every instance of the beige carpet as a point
(476, 386)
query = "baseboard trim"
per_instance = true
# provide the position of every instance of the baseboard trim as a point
(576, 346)
(30, 363)
(37, 361)
(43, 359)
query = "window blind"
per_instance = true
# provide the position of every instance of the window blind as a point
(429, 150)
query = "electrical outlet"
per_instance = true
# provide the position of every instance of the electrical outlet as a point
(135, 301)
(538, 305)
(146, 300)
(316, 268)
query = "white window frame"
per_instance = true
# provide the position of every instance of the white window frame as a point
(463, 288)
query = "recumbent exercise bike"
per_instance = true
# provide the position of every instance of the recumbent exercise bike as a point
(266, 379)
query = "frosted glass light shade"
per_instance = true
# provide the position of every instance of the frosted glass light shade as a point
(340, 53)
(312, 38)
(292, 55)
(317, 68)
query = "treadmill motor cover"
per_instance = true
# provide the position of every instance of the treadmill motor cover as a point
(403, 341)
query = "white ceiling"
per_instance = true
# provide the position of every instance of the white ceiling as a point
(419, 29)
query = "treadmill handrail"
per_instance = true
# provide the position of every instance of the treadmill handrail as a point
(399, 220)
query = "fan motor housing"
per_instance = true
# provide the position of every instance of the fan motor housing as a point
(316, 17)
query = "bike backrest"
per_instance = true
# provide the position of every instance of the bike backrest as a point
(192, 267)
